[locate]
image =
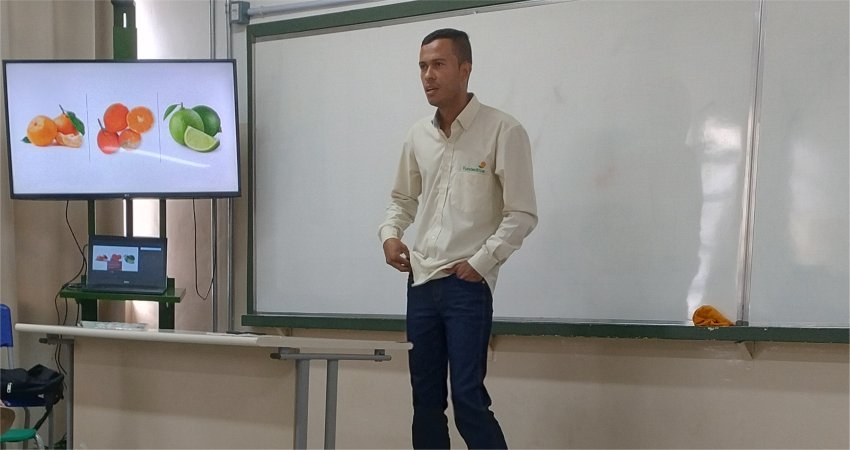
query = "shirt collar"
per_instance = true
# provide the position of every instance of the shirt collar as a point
(466, 117)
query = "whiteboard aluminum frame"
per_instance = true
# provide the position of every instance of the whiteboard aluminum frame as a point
(745, 244)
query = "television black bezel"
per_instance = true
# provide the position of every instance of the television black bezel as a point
(116, 194)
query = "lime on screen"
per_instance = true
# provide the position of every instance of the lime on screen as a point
(212, 123)
(181, 120)
(198, 140)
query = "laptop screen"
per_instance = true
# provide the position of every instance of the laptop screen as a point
(126, 263)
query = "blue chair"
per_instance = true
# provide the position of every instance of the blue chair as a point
(6, 332)
(26, 433)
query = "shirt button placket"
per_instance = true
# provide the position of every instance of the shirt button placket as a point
(442, 191)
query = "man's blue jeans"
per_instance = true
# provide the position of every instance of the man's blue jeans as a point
(449, 322)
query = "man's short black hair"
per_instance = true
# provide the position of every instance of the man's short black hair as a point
(463, 49)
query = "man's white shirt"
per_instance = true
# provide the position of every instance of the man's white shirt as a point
(476, 188)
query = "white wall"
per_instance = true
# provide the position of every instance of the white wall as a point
(547, 393)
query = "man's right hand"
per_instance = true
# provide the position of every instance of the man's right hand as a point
(397, 254)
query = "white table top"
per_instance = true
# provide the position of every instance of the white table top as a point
(199, 337)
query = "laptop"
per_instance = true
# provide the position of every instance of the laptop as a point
(126, 264)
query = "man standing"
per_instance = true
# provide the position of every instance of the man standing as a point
(470, 167)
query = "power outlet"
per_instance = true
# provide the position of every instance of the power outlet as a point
(239, 12)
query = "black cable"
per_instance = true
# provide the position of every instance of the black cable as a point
(195, 240)
(67, 221)
(57, 353)
(83, 266)
(57, 358)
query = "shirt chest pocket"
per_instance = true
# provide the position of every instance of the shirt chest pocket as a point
(473, 192)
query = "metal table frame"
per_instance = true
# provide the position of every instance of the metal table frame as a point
(302, 389)
(287, 348)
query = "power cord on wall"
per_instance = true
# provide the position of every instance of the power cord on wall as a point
(63, 319)
(83, 266)
(195, 241)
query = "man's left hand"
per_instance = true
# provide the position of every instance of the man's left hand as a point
(465, 272)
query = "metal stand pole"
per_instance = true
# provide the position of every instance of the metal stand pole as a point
(69, 404)
(302, 389)
(50, 431)
(69, 394)
(214, 263)
(330, 403)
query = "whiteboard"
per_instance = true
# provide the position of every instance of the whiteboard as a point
(800, 235)
(638, 116)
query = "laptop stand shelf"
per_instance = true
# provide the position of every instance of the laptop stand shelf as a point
(88, 301)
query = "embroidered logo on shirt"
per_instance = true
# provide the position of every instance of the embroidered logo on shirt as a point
(479, 169)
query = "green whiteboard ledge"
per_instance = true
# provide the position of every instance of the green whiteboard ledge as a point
(358, 17)
(607, 329)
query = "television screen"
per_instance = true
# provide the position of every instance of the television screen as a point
(101, 129)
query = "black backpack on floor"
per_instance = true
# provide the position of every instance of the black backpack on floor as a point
(34, 387)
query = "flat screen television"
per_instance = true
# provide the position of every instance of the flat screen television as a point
(122, 129)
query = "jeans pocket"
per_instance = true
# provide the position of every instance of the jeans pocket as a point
(473, 283)
(475, 291)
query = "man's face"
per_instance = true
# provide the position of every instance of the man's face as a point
(443, 77)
